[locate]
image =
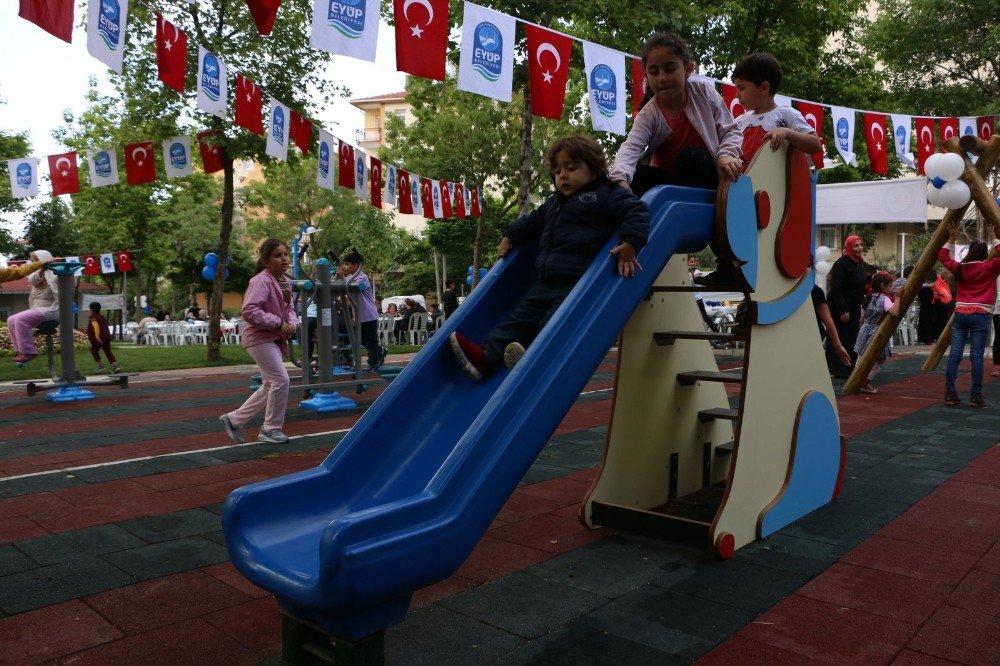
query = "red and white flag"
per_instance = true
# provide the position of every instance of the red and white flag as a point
(949, 128)
(733, 101)
(421, 37)
(91, 267)
(300, 131)
(345, 171)
(171, 54)
(446, 199)
(140, 166)
(263, 13)
(813, 113)
(124, 261)
(427, 199)
(548, 70)
(248, 105)
(878, 148)
(639, 85)
(986, 127)
(64, 174)
(53, 16)
(403, 192)
(477, 210)
(459, 201)
(375, 181)
(211, 150)
(925, 141)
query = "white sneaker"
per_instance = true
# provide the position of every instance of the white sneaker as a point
(231, 430)
(512, 353)
(272, 436)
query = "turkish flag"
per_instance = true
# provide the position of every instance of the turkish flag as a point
(209, 143)
(986, 127)
(171, 54)
(421, 37)
(53, 16)
(64, 174)
(813, 113)
(925, 141)
(140, 167)
(949, 128)
(639, 85)
(548, 69)
(446, 199)
(427, 197)
(476, 210)
(403, 192)
(91, 266)
(460, 201)
(375, 181)
(878, 149)
(300, 131)
(345, 175)
(263, 13)
(732, 100)
(248, 113)
(124, 261)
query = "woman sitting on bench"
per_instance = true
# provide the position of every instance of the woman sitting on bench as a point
(43, 301)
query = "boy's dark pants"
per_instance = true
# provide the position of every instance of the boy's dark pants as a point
(95, 351)
(369, 339)
(528, 318)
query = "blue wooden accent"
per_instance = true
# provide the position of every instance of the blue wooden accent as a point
(814, 468)
(772, 312)
(741, 227)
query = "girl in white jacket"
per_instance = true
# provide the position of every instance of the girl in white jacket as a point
(43, 304)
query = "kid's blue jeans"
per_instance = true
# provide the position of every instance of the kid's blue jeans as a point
(976, 329)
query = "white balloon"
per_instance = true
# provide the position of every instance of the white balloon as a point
(822, 254)
(823, 267)
(933, 195)
(951, 166)
(955, 194)
(932, 166)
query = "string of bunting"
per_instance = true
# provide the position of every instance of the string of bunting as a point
(95, 264)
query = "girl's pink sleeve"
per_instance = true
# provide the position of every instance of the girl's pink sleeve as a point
(631, 152)
(944, 256)
(254, 304)
(993, 266)
(290, 316)
(730, 134)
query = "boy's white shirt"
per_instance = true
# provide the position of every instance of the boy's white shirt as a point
(779, 116)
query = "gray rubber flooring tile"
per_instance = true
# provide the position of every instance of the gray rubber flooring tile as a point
(14, 561)
(45, 586)
(436, 636)
(78, 545)
(579, 643)
(791, 554)
(168, 557)
(170, 526)
(847, 521)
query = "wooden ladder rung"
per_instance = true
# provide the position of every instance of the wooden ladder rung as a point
(663, 338)
(689, 378)
(707, 415)
(723, 450)
(650, 523)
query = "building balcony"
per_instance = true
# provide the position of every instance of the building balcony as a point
(369, 135)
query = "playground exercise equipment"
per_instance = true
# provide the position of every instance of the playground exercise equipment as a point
(67, 386)
(988, 153)
(399, 505)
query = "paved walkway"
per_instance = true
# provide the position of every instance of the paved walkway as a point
(111, 549)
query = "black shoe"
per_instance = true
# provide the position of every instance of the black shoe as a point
(977, 401)
(951, 399)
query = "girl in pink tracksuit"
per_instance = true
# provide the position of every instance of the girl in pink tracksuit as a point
(43, 304)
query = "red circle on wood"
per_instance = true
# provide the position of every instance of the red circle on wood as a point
(763, 204)
(725, 545)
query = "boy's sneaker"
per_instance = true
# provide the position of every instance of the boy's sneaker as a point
(99, 369)
(272, 436)
(231, 430)
(116, 369)
(977, 401)
(996, 370)
(951, 399)
(470, 356)
(512, 354)
(867, 388)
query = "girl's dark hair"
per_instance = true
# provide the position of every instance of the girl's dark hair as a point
(580, 148)
(666, 40)
(879, 281)
(267, 248)
(977, 252)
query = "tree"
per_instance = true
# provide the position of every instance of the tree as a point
(12, 146)
(50, 226)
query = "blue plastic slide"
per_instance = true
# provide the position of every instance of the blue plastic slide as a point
(404, 498)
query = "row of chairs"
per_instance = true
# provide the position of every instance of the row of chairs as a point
(416, 334)
(181, 333)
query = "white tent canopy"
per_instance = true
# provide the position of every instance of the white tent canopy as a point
(875, 202)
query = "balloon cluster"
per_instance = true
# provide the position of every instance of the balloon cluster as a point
(946, 188)
(482, 274)
(822, 266)
(212, 264)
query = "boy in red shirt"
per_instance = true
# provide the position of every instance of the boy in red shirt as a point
(100, 337)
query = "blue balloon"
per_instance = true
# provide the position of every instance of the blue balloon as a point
(227, 275)
(468, 280)
(229, 260)
(471, 269)
(482, 272)
(208, 272)
(211, 259)
(938, 183)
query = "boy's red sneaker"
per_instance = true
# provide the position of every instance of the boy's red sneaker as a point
(470, 356)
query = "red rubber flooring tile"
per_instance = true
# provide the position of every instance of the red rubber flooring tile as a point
(255, 625)
(971, 533)
(991, 560)
(979, 592)
(228, 574)
(740, 651)
(971, 492)
(917, 560)
(563, 489)
(438, 591)
(960, 635)
(18, 528)
(120, 490)
(912, 658)
(521, 506)
(548, 532)
(882, 593)
(52, 632)
(493, 558)
(829, 633)
(24, 505)
(163, 601)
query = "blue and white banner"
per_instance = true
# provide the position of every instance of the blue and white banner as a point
(106, 22)
(108, 262)
(103, 164)
(360, 176)
(843, 133)
(415, 198)
(277, 130)
(901, 138)
(346, 27)
(212, 83)
(605, 87)
(23, 177)
(325, 169)
(436, 198)
(177, 156)
(389, 196)
(783, 100)
(486, 62)
(967, 125)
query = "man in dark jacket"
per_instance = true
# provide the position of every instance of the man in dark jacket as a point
(571, 227)
(449, 300)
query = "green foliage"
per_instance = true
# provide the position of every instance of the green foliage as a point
(51, 226)
(12, 146)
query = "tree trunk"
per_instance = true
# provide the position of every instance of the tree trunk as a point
(222, 252)
(524, 187)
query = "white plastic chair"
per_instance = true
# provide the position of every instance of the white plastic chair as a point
(417, 333)
(386, 332)
(198, 333)
(131, 329)
(233, 335)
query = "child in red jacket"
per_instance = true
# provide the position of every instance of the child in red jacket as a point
(100, 337)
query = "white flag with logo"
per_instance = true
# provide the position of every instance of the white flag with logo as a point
(346, 27)
(325, 173)
(106, 22)
(843, 133)
(486, 62)
(103, 163)
(277, 130)
(212, 83)
(782, 100)
(108, 263)
(967, 125)
(360, 176)
(436, 198)
(75, 260)
(605, 87)
(389, 196)
(23, 177)
(415, 198)
(901, 138)
(468, 201)
(177, 156)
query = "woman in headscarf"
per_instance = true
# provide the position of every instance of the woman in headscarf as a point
(848, 281)
(43, 304)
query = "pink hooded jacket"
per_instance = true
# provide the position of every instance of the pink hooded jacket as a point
(264, 312)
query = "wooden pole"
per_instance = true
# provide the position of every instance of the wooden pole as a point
(974, 178)
(937, 351)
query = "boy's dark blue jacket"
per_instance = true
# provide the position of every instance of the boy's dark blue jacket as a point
(572, 230)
